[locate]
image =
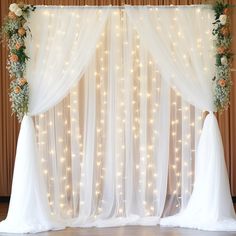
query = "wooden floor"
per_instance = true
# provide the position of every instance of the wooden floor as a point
(134, 231)
(120, 231)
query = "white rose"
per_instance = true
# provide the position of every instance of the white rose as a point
(18, 12)
(13, 7)
(223, 19)
(224, 61)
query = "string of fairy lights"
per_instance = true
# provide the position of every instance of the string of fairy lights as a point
(102, 140)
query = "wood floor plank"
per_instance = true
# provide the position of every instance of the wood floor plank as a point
(119, 231)
(133, 231)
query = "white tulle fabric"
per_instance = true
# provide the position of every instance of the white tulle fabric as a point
(181, 43)
(61, 45)
(28, 209)
(118, 148)
(187, 63)
(59, 50)
(210, 206)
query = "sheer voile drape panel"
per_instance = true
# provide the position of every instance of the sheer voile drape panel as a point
(59, 49)
(110, 138)
(182, 39)
(117, 96)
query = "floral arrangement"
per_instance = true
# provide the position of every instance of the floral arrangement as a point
(14, 32)
(222, 79)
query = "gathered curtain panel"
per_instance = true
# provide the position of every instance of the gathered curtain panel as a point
(117, 96)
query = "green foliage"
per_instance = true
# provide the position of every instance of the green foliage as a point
(19, 88)
(21, 54)
(222, 80)
(219, 9)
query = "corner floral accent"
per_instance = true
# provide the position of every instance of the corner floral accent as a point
(224, 57)
(14, 32)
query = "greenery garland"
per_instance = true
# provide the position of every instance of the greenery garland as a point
(224, 57)
(14, 32)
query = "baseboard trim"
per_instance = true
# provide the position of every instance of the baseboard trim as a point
(5, 199)
(234, 199)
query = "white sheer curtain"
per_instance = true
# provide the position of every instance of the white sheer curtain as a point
(181, 44)
(61, 45)
(118, 147)
(110, 137)
(59, 50)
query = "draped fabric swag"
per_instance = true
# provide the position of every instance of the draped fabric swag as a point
(113, 136)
